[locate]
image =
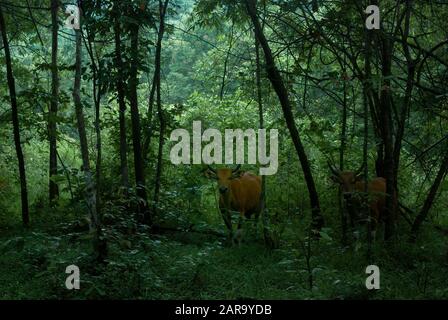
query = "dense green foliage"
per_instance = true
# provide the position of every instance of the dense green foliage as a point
(208, 63)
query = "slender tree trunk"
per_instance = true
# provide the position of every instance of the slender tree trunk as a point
(160, 153)
(374, 106)
(121, 103)
(99, 244)
(162, 122)
(226, 61)
(97, 102)
(52, 117)
(279, 87)
(407, 100)
(152, 93)
(429, 199)
(342, 211)
(91, 201)
(67, 174)
(15, 122)
(387, 129)
(269, 242)
(136, 132)
(366, 90)
(148, 135)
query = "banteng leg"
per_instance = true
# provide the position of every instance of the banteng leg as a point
(241, 219)
(238, 237)
(259, 209)
(226, 215)
(239, 233)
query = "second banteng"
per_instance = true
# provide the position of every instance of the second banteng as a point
(353, 187)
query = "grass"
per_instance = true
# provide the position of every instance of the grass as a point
(194, 266)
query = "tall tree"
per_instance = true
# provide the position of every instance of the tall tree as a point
(135, 120)
(268, 240)
(342, 211)
(226, 62)
(366, 209)
(53, 114)
(89, 15)
(386, 128)
(120, 86)
(279, 87)
(422, 215)
(99, 244)
(15, 122)
(162, 122)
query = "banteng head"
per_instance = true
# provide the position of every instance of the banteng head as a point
(346, 179)
(224, 176)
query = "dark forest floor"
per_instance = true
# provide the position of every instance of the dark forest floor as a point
(196, 266)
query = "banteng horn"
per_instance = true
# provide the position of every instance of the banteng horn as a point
(333, 169)
(211, 169)
(237, 168)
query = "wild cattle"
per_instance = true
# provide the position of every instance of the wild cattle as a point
(353, 185)
(238, 191)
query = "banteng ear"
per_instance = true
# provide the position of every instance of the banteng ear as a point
(209, 174)
(335, 178)
(335, 172)
(237, 174)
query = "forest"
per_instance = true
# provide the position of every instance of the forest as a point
(219, 149)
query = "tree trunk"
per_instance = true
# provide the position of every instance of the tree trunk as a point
(407, 100)
(387, 137)
(122, 104)
(52, 116)
(226, 61)
(268, 240)
(136, 132)
(366, 89)
(148, 135)
(152, 93)
(279, 87)
(429, 199)
(162, 10)
(342, 211)
(99, 244)
(97, 102)
(15, 122)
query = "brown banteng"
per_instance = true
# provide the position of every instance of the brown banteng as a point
(353, 187)
(238, 191)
